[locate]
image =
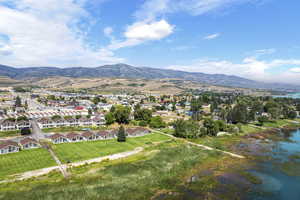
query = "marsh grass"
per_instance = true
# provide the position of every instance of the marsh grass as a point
(160, 167)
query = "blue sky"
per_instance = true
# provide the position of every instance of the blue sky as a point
(255, 39)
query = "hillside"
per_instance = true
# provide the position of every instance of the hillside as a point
(127, 71)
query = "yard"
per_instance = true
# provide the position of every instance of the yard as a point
(24, 161)
(9, 133)
(71, 152)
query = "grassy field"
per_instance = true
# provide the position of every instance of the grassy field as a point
(71, 152)
(277, 123)
(160, 168)
(9, 133)
(24, 161)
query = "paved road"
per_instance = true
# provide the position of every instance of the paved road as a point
(36, 131)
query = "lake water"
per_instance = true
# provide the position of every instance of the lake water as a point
(292, 95)
(277, 184)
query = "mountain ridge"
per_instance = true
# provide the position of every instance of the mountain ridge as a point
(127, 71)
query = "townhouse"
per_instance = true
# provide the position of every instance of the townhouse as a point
(9, 125)
(17, 144)
(92, 136)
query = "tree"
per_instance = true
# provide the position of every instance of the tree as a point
(152, 99)
(121, 134)
(109, 118)
(78, 117)
(26, 105)
(122, 114)
(238, 114)
(196, 105)
(186, 129)
(262, 120)
(96, 100)
(213, 106)
(221, 125)
(173, 106)
(292, 114)
(142, 114)
(22, 118)
(56, 117)
(157, 122)
(270, 104)
(298, 107)
(211, 126)
(90, 112)
(18, 102)
(143, 123)
(25, 131)
(274, 112)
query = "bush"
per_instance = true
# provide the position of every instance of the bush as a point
(143, 123)
(157, 122)
(25, 131)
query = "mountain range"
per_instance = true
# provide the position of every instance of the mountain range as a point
(127, 71)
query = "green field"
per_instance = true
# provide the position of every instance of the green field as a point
(24, 161)
(9, 133)
(160, 168)
(71, 152)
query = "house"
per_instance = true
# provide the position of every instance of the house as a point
(142, 131)
(90, 136)
(139, 131)
(23, 124)
(58, 138)
(74, 137)
(7, 125)
(99, 120)
(9, 147)
(29, 143)
(106, 134)
(46, 123)
(83, 121)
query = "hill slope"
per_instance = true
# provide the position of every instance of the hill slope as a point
(127, 71)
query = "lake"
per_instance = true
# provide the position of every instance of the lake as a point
(280, 175)
(292, 95)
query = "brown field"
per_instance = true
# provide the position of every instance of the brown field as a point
(115, 85)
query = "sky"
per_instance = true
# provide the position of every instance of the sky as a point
(254, 39)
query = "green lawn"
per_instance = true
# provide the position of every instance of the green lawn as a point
(87, 150)
(23, 161)
(9, 133)
(277, 123)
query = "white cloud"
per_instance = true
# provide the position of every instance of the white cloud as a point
(47, 33)
(141, 32)
(153, 9)
(149, 31)
(265, 51)
(212, 36)
(108, 31)
(250, 68)
(295, 70)
(151, 12)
